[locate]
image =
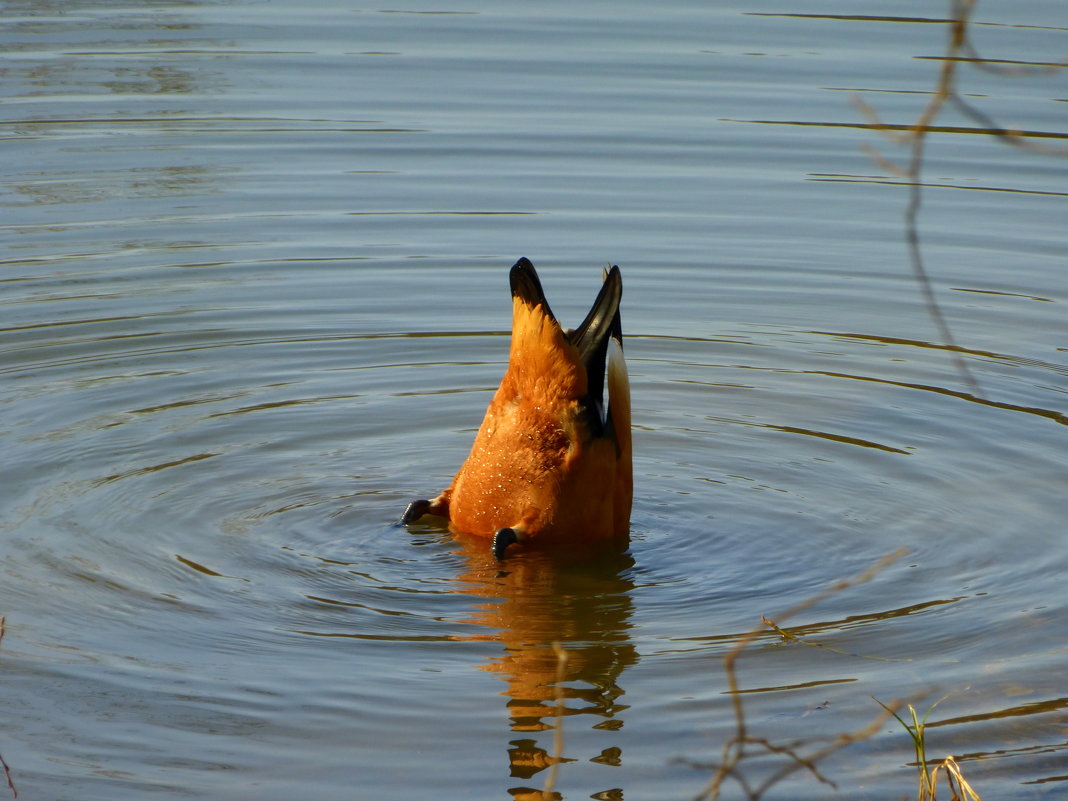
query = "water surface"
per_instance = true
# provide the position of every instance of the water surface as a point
(254, 300)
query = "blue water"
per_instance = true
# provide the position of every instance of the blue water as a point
(254, 299)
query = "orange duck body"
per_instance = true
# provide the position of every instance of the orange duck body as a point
(551, 463)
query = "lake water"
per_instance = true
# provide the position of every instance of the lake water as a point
(254, 299)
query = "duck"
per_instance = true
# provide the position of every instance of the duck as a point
(551, 464)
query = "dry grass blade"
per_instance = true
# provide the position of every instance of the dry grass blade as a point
(955, 780)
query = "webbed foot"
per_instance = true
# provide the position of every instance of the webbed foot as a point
(501, 540)
(415, 510)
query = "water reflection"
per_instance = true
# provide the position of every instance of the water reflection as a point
(538, 599)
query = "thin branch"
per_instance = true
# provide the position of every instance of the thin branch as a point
(959, 49)
(998, 68)
(734, 749)
(1007, 135)
(558, 732)
(839, 742)
(3, 764)
(7, 775)
(945, 90)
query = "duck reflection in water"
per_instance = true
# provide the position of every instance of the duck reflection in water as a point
(551, 463)
(538, 598)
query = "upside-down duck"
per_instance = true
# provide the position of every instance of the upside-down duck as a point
(551, 463)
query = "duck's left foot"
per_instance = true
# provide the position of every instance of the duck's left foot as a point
(415, 510)
(501, 540)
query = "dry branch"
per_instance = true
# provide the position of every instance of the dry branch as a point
(7, 775)
(959, 50)
(734, 750)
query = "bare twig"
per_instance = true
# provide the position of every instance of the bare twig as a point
(1004, 68)
(946, 89)
(959, 50)
(3, 764)
(837, 744)
(7, 775)
(734, 750)
(558, 732)
(1009, 136)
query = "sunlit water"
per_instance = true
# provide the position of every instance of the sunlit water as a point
(254, 300)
